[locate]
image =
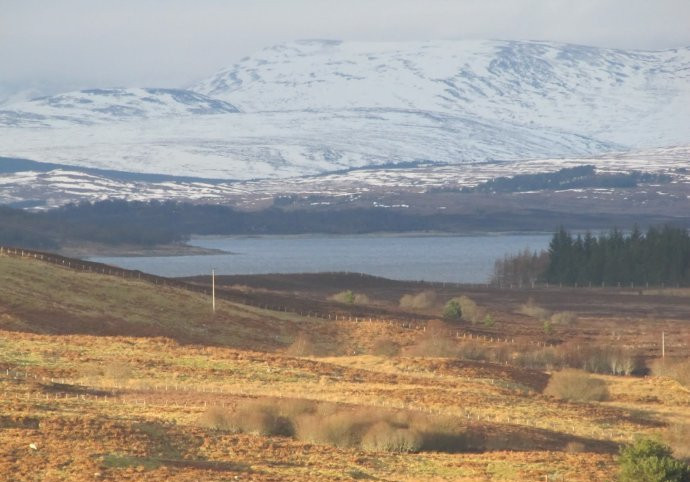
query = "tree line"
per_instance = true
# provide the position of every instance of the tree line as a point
(660, 256)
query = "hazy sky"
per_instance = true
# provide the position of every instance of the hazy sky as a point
(54, 45)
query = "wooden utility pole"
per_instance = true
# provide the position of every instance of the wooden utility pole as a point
(213, 289)
(663, 344)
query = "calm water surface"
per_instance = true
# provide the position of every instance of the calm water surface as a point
(466, 259)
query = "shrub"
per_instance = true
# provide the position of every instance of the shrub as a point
(259, 417)
(384, 437)
(472, 350)
(419, 301)
(575, 385)
(216, 418)
(488, 321)
(547, 326)
(343, 428)
(385, 347)
(452, 310)
(647, 460)
(564, 318)
(533, 310)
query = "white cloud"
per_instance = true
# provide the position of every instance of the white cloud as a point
(79, 43)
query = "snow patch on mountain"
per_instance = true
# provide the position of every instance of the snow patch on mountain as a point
(94, 106)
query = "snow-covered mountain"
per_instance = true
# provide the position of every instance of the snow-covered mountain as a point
(624, 97)
(310, 107)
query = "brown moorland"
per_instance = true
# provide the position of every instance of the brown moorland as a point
(105, 378)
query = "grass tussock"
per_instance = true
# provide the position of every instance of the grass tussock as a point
(419, 301)
(576, 386)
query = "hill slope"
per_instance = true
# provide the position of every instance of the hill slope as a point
(39, 297)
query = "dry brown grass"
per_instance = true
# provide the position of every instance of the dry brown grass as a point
(385, 347)
(677, 435)
(302, 346)
(576, 386)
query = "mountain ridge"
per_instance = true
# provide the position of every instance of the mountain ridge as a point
(311, 107)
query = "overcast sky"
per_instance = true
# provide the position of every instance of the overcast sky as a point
(52, 45)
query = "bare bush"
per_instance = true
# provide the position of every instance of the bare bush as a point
(361, 299)
(216, 418)
(384, 437)
(564, 318)
(472, 350)
(420, 301)
(350, 298)
(520, 269)
(343, 428)
(470, 310)
(531, 309)
(575, 385)
(678, 369)
(329, 423)
(119, 372)
(347, 297)
(431, 346)
(259, 417)
(302, 346)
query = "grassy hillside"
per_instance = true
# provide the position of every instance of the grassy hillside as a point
(43, 298)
